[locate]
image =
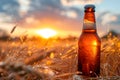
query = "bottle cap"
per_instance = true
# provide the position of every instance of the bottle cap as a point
(89, 7)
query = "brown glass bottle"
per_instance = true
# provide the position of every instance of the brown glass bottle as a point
(89, 45)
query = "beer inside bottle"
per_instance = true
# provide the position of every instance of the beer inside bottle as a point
(89, 45)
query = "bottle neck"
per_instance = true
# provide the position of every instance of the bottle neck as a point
(89, 21)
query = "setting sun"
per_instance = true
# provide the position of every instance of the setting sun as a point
(46, 33)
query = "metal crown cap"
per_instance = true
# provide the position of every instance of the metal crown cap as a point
(89, 6)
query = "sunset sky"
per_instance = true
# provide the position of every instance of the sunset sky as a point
(64, 16)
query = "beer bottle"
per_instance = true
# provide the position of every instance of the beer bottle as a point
(89, 45)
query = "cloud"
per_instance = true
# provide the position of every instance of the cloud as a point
(45, 5)
(117, 21)
(30, 20)
(52, 7)
(71, 14)
(10, 7)
(107, 21)
(38, 11)
(58, 14)
(44, 13)
(5, 18)
(115, 24)
(79, 2)
(24, 6)
(108, 18)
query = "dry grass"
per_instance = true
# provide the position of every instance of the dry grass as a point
(54, 60)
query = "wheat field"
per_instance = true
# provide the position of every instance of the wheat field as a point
(54, 59)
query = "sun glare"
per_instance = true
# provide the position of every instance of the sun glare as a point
(46, 33)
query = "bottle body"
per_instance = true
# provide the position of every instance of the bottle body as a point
(89, 47)
(89, 54)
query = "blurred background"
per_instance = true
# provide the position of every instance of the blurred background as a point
(58, 18)
(44, 34)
